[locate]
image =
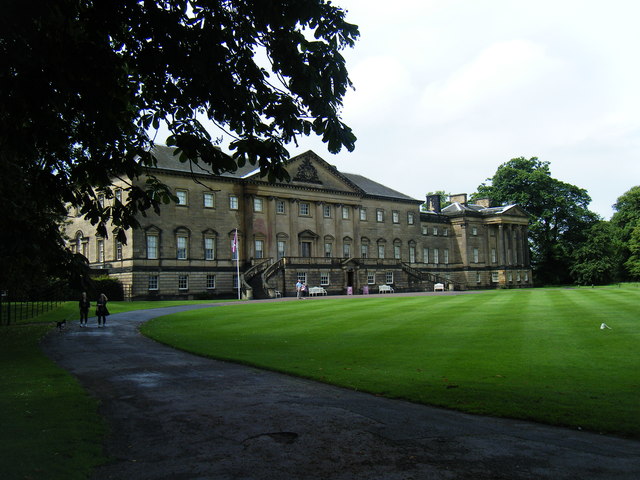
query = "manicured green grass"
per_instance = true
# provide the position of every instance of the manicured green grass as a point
(534, 354)
(50, 426)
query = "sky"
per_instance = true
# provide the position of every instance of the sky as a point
(448, 90)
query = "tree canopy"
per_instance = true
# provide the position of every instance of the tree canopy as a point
(627, 221)
(559, 213)
(595, 261)
(84, 82)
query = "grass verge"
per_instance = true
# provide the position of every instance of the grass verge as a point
(50, 426)
(529, 354)
(69, 310)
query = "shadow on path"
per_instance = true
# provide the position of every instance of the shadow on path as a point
(178, 416)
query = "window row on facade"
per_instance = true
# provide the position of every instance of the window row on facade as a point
(182, 282)
(325, 280)
(209, 250)
(209, 200)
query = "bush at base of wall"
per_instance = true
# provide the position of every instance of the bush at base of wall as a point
(111, 287)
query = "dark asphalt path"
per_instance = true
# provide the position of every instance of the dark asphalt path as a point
(178, 416)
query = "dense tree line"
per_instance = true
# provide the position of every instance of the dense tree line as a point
(569, 243)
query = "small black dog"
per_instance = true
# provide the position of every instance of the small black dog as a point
(62, 324)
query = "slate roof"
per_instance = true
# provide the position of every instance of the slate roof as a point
(376, 189)
(167, 161)
(457, 207)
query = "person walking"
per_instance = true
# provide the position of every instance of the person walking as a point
(299, 290)
(101, 310)
(84, 304)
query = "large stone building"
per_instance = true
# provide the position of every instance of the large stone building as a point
(340, 231)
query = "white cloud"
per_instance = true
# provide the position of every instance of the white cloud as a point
(380, 83)
(500, 71)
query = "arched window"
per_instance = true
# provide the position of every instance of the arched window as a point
(397, 249)
(412, 252)
(364, 247)
(347, 243)
(152, 243)
(210, 240)
(182, 243)
(282, 244)
(328, 246)
(258, 246)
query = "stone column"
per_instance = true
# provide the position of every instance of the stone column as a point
(320, 230)
(502, 254)
(271, 249)
(357, 238)
(294, 248)
(339, 234)
(464, 245)
(486, 245)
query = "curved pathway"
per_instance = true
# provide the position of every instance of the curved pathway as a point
(178, 416)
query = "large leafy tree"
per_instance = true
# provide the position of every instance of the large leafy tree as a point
(632, 263)
(83, 83)
(626, 219)
(595, 260)
(560, 218)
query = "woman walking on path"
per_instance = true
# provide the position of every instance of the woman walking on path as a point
(84, 305)
(101, 310)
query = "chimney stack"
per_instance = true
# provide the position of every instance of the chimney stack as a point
(433, 203)
(459, 198)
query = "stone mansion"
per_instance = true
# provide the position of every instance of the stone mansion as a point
(340, 231)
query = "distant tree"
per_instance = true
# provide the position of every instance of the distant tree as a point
(83, 82)
(560, 218)
(595, 260)
(626, 219)
(632, 263)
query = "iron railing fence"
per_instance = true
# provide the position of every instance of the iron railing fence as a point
(16, 309)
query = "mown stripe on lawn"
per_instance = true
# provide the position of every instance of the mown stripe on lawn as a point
(533, 354)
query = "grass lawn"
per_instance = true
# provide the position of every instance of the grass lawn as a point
(536, 354)
(50, 426)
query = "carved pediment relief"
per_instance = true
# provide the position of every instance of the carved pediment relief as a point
(307, 173)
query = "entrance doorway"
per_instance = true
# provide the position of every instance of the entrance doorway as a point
(350, 278)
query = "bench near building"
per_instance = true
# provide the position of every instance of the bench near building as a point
(338, 231)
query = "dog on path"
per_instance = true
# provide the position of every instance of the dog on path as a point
(61, 325)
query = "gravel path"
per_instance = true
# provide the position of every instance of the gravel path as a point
(178, 416)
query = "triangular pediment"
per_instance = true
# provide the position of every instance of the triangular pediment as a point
(309, 170)
(514, 210)
(350, 263)
(308, 234)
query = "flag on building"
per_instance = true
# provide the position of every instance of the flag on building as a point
(234, 244)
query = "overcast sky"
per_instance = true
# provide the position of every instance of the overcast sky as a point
(447, 90)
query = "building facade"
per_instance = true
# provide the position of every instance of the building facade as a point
(341, 231)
